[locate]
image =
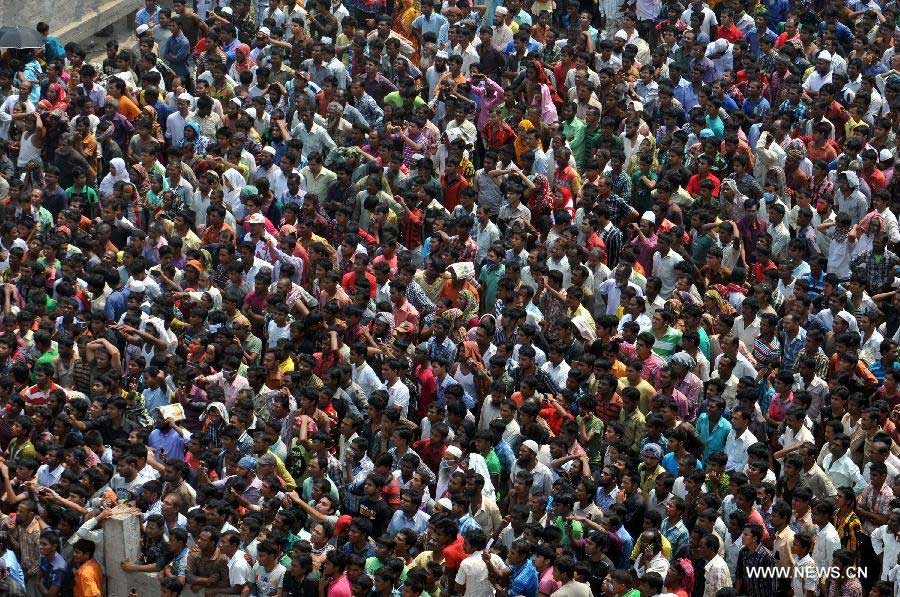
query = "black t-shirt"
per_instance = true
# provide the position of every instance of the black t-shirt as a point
(303, 587)
(599, 570)
(377, 512)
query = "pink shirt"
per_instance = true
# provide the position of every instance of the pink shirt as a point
(339, 587)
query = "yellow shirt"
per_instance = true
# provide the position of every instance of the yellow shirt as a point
(644, 388)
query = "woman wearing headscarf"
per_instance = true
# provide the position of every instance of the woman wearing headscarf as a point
(715, 305)
(680, 579)
(478, 464)
(521, 145)
(468, 304)
(195, 138)
(242, 62)
(731, 200)
(540, 202)
(865, 232)
(646, 147)
(467, 369)
(232, 183)
(118, 171)
(56, 99)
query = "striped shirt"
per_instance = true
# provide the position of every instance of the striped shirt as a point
(765, 350)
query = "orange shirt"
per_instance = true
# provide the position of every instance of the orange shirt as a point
(128, 108)
(89, 580)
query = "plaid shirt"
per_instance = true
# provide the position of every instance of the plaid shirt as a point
(878, 269)
(792, 349)
(618, 207)
(799, 110)
(755, 584)
(880, 503)
(621, 187)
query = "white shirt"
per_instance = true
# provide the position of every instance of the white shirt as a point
(746, 334)
(473, 574)
(843, 472)
(664, 269)
(366, 378)
(791, 438)
(559, 373)
(398, 395)
(806, 577)
(891, 473)
(610, 290)
(827, 541)
(885, 544)
(736, 449)
(238, 569)
(815, 81)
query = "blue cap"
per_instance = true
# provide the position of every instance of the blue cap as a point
(247, 462)
(707, 134)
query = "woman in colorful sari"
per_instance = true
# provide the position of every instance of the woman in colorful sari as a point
(647, 147)
(538, 90)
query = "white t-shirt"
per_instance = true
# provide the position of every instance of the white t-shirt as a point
(473, 573)
(266, 582)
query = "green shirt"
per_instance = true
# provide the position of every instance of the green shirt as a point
(395, 99)
(577, 529)
(490, 280)
(574, 131)
(642, 194)
(593, 449)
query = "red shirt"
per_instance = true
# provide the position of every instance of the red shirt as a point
(340, 587)
(34, 396)
(693, 186)
(349, 280)
(391, 493)
(431, 454)
(427, 388)
(732, 33)
(454, 554)
(452, 190)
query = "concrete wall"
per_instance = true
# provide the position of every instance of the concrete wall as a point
(69, 20)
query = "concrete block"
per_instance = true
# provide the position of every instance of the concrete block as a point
(121, 541)
(69, 21)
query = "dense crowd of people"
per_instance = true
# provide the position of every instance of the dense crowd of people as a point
(409, 297)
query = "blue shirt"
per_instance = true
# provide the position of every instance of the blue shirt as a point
(756, 109)
(627, 546)
(143, 16)
(430, 24)
(505, 456)
(715, 437)
(418, 523)
(524, 580)
(116, 304)
(154, 399)
(172, 442)
(52, 571)
(467, 523)
(178, 53)
(14, 568)
(777, 11)
(687, 97)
